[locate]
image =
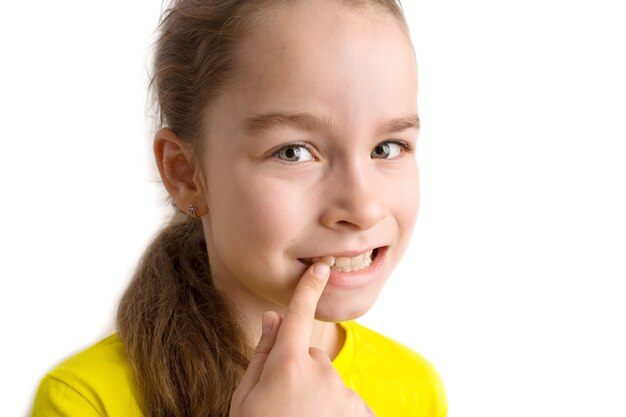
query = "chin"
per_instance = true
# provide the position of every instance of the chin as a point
(330, 310)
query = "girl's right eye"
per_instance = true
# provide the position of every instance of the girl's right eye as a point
(294, 153)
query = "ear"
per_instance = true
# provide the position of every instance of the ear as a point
(179, 172)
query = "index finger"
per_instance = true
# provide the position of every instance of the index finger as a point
(295, 330)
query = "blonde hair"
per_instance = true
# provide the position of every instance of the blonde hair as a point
(186, 349)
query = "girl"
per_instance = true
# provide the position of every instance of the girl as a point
(287, 146)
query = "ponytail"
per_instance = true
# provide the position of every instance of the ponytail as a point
(186, 350)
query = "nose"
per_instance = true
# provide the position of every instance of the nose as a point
(354, 198)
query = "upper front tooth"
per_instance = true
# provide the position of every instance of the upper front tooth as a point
(342, 261)
(329, 260)
(356, 259)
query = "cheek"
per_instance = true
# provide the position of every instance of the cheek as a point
(405, 200)
(412, 204)
(408, 215)
(254, 217)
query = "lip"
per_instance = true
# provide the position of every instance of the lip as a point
(361, 278)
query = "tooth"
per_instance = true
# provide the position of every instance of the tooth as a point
(356, 260)
(342, 262)
(329, 260)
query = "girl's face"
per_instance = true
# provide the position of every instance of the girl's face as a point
(309, 153)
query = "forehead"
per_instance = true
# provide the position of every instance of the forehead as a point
(325, 57)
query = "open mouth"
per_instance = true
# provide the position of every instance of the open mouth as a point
(345, 263)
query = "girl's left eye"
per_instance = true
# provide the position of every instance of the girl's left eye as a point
(387, 150)
(294, 153)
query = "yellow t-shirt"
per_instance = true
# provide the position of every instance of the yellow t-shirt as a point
(392, 379)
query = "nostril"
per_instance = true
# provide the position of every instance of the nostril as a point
(348, 225)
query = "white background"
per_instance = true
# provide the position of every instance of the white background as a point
(514, 284)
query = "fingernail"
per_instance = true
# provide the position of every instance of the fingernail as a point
(321, 270)
(267, 322)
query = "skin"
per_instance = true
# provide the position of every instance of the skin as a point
(262, 215)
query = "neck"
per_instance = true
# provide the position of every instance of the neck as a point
(327, 336)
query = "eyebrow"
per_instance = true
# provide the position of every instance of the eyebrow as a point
(306, 121)
(401, 123)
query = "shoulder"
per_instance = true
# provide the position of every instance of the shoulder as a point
(385, 351)
(96, 382)
(101, 366)
(389, 373)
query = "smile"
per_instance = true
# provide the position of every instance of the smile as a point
(345, 263)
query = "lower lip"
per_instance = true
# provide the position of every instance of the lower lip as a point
(360, 278)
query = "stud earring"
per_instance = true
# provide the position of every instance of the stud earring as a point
(192, 210)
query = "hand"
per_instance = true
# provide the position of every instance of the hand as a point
(286, 377)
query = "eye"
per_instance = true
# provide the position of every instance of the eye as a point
(387, 150)
(294, 153)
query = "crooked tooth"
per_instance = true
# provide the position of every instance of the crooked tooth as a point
(329, 260)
